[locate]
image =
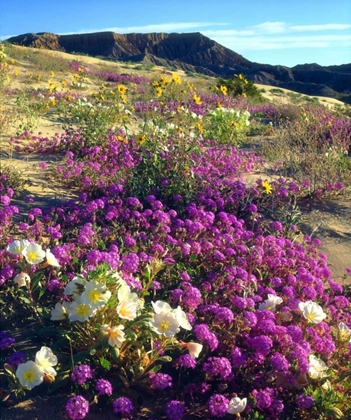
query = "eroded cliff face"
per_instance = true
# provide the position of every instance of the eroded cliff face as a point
(196, 53)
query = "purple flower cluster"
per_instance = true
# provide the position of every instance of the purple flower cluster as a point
(104, 387)
(160, 380)
(218, 405)
(5, 340)
(175, 410)
(123, 406)
(77, 407)
(81, 374)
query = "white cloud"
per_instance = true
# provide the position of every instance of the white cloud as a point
(325, 27)
(271, 27)
(157, 27)
(281, 35)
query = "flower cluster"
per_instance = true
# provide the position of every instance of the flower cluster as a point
(31, 374)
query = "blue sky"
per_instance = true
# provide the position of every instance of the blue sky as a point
(286, 32)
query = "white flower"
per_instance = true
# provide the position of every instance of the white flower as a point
(127, 309)
(30, 374)
(95, 295)
(51, 259)
(344, 330)
(34, 253)
(59, 313)
(165, 323)
(194, 349)
(182, 318)
(312, 311)
(160, 306)
(115, 335)
(22, 279)
(317, 367)
(46, 359)
(16, 247)
(237, 405)
(123, 291)
(163, 307)
(79, 311)
(74, 287)
(270, 303)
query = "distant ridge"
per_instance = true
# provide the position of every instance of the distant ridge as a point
(195, 52)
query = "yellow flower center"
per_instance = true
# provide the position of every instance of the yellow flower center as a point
(94, 296)
(310, 317)
(31, 255)
(29, 375)
(82, 309)
(164, 326)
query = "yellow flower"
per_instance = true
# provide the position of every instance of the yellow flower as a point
(122, 89)
(80, 70)
(140, 138)
(8, 79)
(197, 99)
(158, 91)
(52, 74)
(164, 80)
(200, 128)
(121, 139)
(234, 124)
(244, 94)
(224, 89)
(219, 105)
(39, 76)
(176, 79)
(267, 187)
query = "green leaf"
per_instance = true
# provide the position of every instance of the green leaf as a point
(114, 351)
(105, 363)
(165, 359)
(156, 368)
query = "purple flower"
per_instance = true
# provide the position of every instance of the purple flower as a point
(237, 357)
(264, 398)
(304, 401)
(5, 340)
(123, 406)
(218, 367)
(187, 361)
(54, 285)
(81, 374)
(104, 387)
(252, 208)
(77, 407)
(175, 410)
(130, 263)
(218, 405)
(277, 226)
(279, 362)
(261, 343)
(16, 358)
(204, 335)
(160, 380)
